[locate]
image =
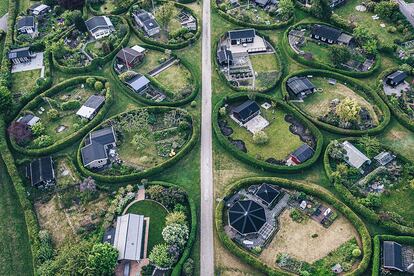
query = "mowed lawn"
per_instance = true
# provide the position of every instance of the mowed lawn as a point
(281, 141)
(151, 61)
(176, 79)
(318, 103)
(264, 62)
(23, 82)
(392, 203)
(15, 253)
(157, 214)
(320, 53)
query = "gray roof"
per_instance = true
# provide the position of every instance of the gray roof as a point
(96, 22)
(129, 236)
(397, 76)
(224, 55)
(138, 82)
(28, 119)
(41, 170)
(94, 148)
(303, 153)
(239, 34)
(392, 255)
(147, 20)
(326, 32)
(345, 38)
(20, 53)
(384, 158)
(128, 55)
(262, 2)
(95, 101)
(355, 158)
(25, 21)
(299, 84)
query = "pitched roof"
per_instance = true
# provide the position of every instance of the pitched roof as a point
(262, 2)
(138, 82)
(146, 19)
(239, 34)
(246, 216)
(326, 32)
(384, 158)
(98, 21)
(246, 109)
(267, 193)
(41, 170)
(303, 153)
(28, 119)
(224, 55)
(89, 108)
(299, 84)
(392, 255)
(94, 148)
(25, 21)
(128, 54)
(397, 76)
(355, 158)
(129, 236)
(345, 38)
(20, 53)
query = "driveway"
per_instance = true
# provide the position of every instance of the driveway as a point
(36, 63)
(206, 162)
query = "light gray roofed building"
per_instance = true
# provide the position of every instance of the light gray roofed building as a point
(129, 237)
(392, 255)
(384, 158)
(355, 158)
(138, 83)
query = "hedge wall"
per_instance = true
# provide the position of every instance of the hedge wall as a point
(29, 214)
(96, 62)
(349, 198)
(187, 65)
(193, 230)
(317, 65)
(280, 60)
(172, 46)
(236, 21)
(5, 74)
(402, 117)
(308, 188)
(116, 11)
(245, 157)
(70, 139)
(376, 261)
(359, 88)
(153, 170)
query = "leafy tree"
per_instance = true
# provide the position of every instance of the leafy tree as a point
(176, 218)
(103, 259)
(90, 82)
(260, 138)
(19, 133)
(43, 141)
(222, 111)
(356, 252)
(5, 98)
(342, 169)
(53, 114)
(348, 110)
(386, 9)
(175, 234)
(98, 86)
(321, 9)
(58, 49)
(366, 39)
(38, 129)
(160, 256)
(165, 13)
(339, 54)
(127, 75)
(337, 151)
(286, 9)
(371, 145)
(371, 201)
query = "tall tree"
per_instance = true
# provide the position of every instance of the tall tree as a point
(348, 110)
(103, 259)
(321, 9)
(165, 13)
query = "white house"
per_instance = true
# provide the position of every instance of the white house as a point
(89, 109)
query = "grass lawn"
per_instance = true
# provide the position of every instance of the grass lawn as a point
(4, 6)
(318, 103)
(348, 12)
(157, 214)
(15, 253)
(177, 79)
(320, 53)
(264, 62)
(23, 82)
(151, 60)
(394, 200)
(65, 173)
(278, 133)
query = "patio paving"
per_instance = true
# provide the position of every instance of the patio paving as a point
(36, 63)
(389, 90)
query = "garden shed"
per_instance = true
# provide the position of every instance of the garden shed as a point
(302, 154)
(300, 87)
(92, 105)
(392, 255)
(139, 83)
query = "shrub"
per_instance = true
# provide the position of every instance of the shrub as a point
(5, 98)
(193, 104)
(98, 86)
(260, 138)
(188, 267)
(160, 256)
(176, 218)
(356, 252)
(71, 105)
(90, 82)
(175, 234)
(102, 259)
(38, 129)
(53, 114)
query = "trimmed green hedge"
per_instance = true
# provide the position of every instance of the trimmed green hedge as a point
(350, 199)
(96, 62)
(308, 188)
(358, 88)
(176, 271)
(116, 11)
(172, 46)
(70, 139)
(29, 214)
(281, 61)
(236, 21)
(402, 117)
(317, 65)
(245, 157)
(150, 171)
(5, 74)
(187, 65)
(376, 262)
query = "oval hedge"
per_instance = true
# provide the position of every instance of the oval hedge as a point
(317, 65)
(187, 65)
(177, 269)
(245, 157)
(358, 88)
(308, 188)
(236, 21)
(279, 57)
(96, 62)
(376, 260)
(172, 46)
(402, 117)
(150, 171)
(350, 199)
(70, 139)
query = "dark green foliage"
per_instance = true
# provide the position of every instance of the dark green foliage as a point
(5, 98)
(103, 259)
(339, 54)
(71, 105)
(321, 9)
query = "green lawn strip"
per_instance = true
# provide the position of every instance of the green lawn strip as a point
(176, 78)
(152, 60)
(15, 253)
(23, 82)
(157, 214)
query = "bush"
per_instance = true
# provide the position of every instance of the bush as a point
(188, 267)
(53, 114)
(160, 256)
(176, 218)
(356, 252)
(260, 138)
(71, 105)
(193, 104)
(38, 129)
(90, 82)
(98, 86)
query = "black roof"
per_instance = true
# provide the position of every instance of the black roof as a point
(267, 193)
(25, 21)
(239, 34)
(224, 55)
(94, 101)
(246, 109)
(95, 22)
(299, 84)
(94, 148)
(20, 53)
(397, 76)
(128, 55)
(41, 170)
(326, 32)
(146, 19)
(303, 153)
(392, 255)
(247, 216)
